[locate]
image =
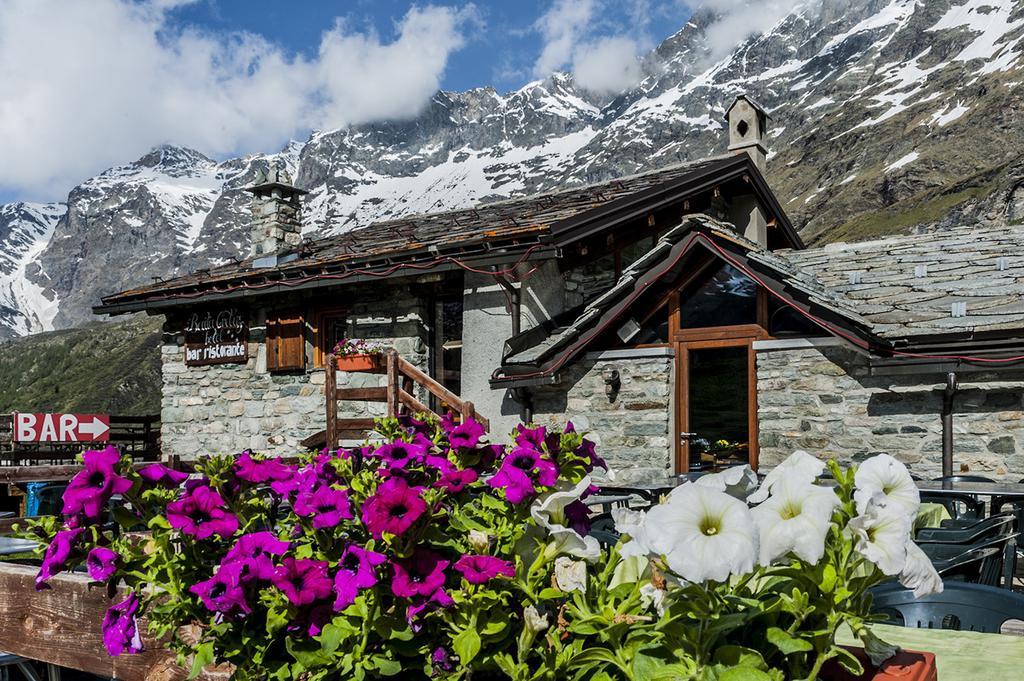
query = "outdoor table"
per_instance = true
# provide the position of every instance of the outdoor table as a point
(930, 515)
(10, 546)
(1008, 490)
(608, 501)
(958, 654)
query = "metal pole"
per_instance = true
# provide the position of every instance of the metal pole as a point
(947, 424)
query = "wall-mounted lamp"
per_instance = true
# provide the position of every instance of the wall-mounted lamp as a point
(612, 382)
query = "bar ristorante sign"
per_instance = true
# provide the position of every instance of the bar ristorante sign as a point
(216, 336)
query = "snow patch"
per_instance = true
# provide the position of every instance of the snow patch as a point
(902, 161)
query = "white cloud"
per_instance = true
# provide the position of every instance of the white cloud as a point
(740, 19)
(562, 27)
(87, 85)
(608, 65)
(575, 37)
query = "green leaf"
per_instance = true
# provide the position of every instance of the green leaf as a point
(848, 661)
(744, 674)
(786, 643)
(738, 656)
(828, 579)
(203, 656)
(550, 594)
(466, 645)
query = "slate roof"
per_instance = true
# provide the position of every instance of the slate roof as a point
(907, 286)
(901, 288)
(484, 227)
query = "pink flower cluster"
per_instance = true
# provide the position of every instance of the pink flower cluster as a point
(317, 540)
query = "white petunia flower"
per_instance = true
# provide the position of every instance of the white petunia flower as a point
(571, 575)
(919, 574)
(535, 622)
(653, 597)
(549, 513)
(884, 474)
(798, 466)
(882, 533)
(795, 518)
(737, 481)
(549, 509)
(634, 524)
(703, 534)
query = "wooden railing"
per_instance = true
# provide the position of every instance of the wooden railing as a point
(397, 394)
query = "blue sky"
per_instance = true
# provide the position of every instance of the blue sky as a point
(98, 83)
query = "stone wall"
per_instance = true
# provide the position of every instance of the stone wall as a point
(819, 396)
(633, 426)
(226, 408)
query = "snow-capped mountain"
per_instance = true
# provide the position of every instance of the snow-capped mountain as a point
(887, 115)
(25, 305)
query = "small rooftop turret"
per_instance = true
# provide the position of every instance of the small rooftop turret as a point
(276, 216)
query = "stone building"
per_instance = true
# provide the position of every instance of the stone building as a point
(674, 314)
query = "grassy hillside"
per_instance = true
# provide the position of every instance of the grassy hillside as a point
(101, 367)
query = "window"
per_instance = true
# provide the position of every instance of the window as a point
(329, 327)
(286, 342)
(725, 298)
(448, 341)
(785, 322)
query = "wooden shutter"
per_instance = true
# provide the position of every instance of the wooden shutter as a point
(286, 342)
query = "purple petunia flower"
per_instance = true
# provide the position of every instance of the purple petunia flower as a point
(532, 438)
(261, 471)
(159, 474)
(326, 505)
(252, 552)
(313, 619)
(89, 491)
(57, 555)
(577, 514)
(101, 563)
(442, 660)
(401, 454)
(482, 569)
(420, 575)
(121, 628)
(393, 508)
(302, 580)
(423, 604)
(466, 435)
(520, 470)
(224, 591)
(357, 569)
(201, 513)
(456, 480)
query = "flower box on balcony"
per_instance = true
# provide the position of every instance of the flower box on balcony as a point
(367, 362)
(906, 665)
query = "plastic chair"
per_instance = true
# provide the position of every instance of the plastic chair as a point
(997, 526)
(966, 567)
(958, 506)
(975, 506)
(961, 607)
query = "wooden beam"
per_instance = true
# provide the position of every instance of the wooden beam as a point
(362, 394)
(331, 393)
(414, 405)
(61, 626)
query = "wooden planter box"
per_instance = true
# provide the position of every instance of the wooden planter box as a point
(359, 362)
(906, 665)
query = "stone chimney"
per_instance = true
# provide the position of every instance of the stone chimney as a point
(748, 124)
(748, 127)
(276, 217)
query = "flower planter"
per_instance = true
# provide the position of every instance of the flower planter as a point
(906, 665)
(359, 362)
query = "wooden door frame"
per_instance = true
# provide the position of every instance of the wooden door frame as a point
(682, 415)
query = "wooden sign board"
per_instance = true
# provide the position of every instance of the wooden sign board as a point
(61, 427)
(216, 336)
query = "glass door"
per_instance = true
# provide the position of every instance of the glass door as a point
(717, 408)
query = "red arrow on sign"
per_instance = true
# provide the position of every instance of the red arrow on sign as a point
(61, 427)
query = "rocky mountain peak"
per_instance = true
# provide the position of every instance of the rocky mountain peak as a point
(887, 116)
